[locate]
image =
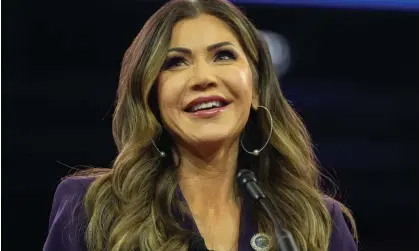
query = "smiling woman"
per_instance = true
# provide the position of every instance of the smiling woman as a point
(210, 77)
(189, 105)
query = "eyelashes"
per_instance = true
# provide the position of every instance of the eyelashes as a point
(226, 55)
(173, 61)
(178, 61)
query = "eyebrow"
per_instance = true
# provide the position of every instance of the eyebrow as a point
(209, 48)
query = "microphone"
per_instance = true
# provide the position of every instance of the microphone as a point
(197, 243)
(248, 181)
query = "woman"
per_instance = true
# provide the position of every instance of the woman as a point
(198, 100)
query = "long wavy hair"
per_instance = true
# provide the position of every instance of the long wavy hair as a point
(129, 206)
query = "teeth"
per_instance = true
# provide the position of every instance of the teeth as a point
(206, 105)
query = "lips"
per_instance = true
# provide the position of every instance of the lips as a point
(206, 103)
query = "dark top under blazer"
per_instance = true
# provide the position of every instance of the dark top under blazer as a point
(67, 221)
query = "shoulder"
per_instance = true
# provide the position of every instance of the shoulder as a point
(69, 195)
(341, 238)
(73, 186)
(71, 191)
(67, 218)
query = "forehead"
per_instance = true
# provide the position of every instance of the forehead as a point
(200, 32)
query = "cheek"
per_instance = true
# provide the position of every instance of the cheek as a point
(169, 96)
(241, 80)
(165, 89)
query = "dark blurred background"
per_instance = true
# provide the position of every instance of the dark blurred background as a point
(352, 74)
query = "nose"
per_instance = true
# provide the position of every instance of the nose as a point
(203, 76)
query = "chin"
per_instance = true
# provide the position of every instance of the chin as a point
(212, 137)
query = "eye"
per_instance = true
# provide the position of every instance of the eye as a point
(174, 61)
(225, 55)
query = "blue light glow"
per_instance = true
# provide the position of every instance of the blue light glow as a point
(408, 5)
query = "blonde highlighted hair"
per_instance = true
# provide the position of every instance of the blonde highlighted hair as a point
(129, 207)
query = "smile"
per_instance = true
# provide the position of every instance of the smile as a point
(207, 106)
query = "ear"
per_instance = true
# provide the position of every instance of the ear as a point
(255, 102)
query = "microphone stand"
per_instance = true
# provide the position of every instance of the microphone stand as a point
(284, 238)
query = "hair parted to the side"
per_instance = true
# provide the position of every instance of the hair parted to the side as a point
(129, 207)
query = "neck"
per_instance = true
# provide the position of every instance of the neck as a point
(208, 180)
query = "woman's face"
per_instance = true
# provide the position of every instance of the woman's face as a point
(205, 88)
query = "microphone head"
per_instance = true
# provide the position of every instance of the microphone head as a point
(197, 243)
(248, 182)
(245, 175)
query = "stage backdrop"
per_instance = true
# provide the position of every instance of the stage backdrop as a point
(352, 75)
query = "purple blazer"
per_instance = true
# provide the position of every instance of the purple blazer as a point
(67, 221)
